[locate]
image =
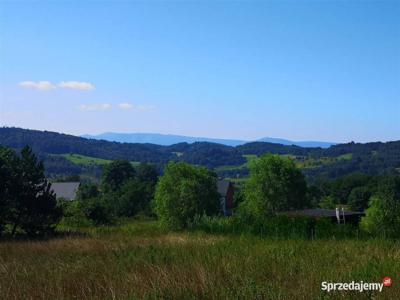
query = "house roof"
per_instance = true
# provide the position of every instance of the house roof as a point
(65, 190)
(319, 212)
(223, 187)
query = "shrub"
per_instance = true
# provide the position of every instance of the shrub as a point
(73, 215)
(98, 210)
(383, 215)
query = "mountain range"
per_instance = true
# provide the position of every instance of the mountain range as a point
(65, 155)
(171, 139)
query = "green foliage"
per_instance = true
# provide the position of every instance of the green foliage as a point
(88, 155)
(9, 177)
(183, 192)
(359, 198)
(279, 226)
(147, 173)
(341, 188)
(328, 202)
(116, 174)
(98, 210)
(73, 215)
(275, 184)
(27, 203)
(135, 194)
(86, 191)
(134, 197)
(383, 215)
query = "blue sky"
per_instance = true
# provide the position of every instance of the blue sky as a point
(302, 70)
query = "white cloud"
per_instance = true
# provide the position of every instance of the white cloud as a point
(126, 106)
(76, 85)
(95, 107)
(39, 85)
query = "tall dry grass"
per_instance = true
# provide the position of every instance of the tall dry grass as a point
(138, 261)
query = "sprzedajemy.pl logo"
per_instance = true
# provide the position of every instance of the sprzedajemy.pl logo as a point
(360, 286)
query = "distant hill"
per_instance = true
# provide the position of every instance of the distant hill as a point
(65, 154)
(170, 139)
(159, 139)
(306, 144)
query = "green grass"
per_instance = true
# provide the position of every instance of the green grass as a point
(305, 163)
(137, 260)
(83, 160)
(302, 162)
(249, 157)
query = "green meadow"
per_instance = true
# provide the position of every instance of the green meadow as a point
(84, 160)
(138, 260)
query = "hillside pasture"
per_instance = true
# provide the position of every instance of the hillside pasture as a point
(84, 160)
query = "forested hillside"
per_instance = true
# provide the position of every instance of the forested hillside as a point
(67, 154)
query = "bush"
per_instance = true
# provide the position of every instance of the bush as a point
(281, 227)
(73, 215)
(382, 218)
(98, 210)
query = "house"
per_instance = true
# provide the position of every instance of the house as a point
(226, 192)
(337, 215)
(65, 190)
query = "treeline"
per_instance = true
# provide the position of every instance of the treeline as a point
(124, 192)
(186, 197)
(369, 158)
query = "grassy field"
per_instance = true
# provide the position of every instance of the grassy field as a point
(302, 162)
(137, 260)
(88, 160)
(248, 157)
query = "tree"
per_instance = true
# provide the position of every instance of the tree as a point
(9, 183)
(32, 204)
(342, 187)
(275, 184)
(358, 198)
(383, 214)
(147, 173)
(87, 191)
(98, 210)
(116, 174)
(328, 202)
(134, 197)
(183, 192)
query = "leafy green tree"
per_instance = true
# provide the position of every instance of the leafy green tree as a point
(133, 198)
(383, 215)
(275, 184)
(115, 174)
(358, 198)
(342, 187)
(314, 195)
(183, 192)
